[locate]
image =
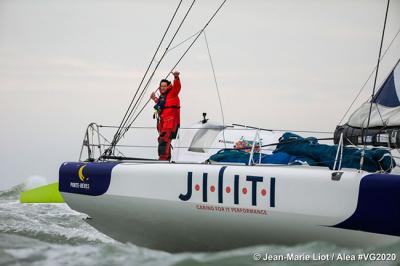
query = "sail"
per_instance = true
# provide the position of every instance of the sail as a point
(385, 105)
(384, 125)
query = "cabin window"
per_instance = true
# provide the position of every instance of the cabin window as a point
(204, 138)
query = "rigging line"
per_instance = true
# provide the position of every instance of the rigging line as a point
(379, 60)
(176, 46)
(183, 55)
(248, 128)
(167, 49)
(216, 148)
(148, 67)
(133, 110)
(283, 130)
(155, 69)
(182, 42)
(106, 140)
(374, 87)
(198, 35)
(369, 77)
(217, 88)
(380, 115)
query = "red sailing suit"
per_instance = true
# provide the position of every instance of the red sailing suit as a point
(169, 120)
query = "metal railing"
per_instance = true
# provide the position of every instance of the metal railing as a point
(95, 141)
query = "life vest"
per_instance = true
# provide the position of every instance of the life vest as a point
(163, 99)
(160, 105)
(167, 109)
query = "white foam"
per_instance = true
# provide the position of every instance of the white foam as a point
(34, 182)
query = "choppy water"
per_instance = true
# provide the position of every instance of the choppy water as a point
(53, 234)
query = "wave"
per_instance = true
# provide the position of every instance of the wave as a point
(30, 183)
(12, 193)
(53, 223)
(54, 234)
(16, 249)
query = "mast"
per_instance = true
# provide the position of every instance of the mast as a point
(376, 122)
(373, 90)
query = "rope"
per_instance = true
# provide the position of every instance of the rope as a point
(374, 88)
(110, 144)
(217, 88)
(131, 108)
(216, 148)
(152, 59)
(180, 59)
(230, 128)
(182, 42)
(369, 77)
(284, 130)
(159, 62)
(114, 141)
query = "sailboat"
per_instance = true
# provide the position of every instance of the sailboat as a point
(196, 203)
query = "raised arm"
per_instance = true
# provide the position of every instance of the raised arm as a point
(177, 83)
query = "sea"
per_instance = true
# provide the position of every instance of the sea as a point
(54, 234)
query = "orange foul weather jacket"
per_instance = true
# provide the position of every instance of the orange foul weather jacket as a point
(170, 115)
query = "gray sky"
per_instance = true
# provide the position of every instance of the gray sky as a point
(279, 64)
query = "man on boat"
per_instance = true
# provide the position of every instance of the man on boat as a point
(167, 111)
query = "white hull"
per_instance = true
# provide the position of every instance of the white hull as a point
(149, 204)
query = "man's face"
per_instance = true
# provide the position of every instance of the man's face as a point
(163, 87)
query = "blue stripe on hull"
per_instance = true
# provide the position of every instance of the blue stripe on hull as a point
(85, 178)
(378, 208)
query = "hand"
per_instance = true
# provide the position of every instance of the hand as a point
(176, 74)
(153, 95)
